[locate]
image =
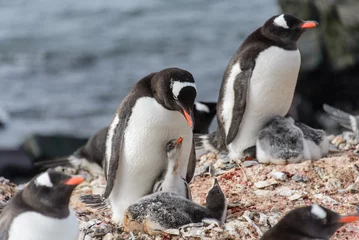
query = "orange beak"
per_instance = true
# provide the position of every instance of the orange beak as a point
(188, 118)
(349, 219)
(76, 180)
(309, 24)
(179, 140)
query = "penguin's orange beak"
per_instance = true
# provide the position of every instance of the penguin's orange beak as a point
(179, 140)
(348, 219)
(188, 118)
(75, 180)
(309, 24)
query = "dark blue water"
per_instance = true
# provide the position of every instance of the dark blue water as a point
(66, 65)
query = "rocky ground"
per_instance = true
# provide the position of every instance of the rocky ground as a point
(259, 195)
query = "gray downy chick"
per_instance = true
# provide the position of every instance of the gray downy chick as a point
(164, 210)
(281, 142)
(171, 180)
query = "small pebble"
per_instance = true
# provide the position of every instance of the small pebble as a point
(279, 176)
(263, 184)
(249, 163)
(300, 178)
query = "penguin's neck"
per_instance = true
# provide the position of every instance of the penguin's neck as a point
(172, 173)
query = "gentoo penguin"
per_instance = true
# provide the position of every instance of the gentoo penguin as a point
(280, 141)
(258, 83)
(316, 140)
(308, 223)
(41, 210)
(89, 156)
(164, 210)
(345, 119)
(203, 113)
(171, 180)
(157, 109)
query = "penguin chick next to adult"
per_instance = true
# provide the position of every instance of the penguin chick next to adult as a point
(171, 180)
(41, 210)
(316, 140)
(157, 109)
(258, 83)
(308, 223)
(164, 210)
(280, 141)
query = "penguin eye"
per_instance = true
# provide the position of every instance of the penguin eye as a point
(169, 146)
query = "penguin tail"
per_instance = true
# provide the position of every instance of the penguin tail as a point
(343, 118)
(206, 142)
(96, 201)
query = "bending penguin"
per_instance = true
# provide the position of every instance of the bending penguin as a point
(344, 119)
(308, 223)
(258, 83)
(171, 180)
(41, 210)
(164, 210)
(157, 109)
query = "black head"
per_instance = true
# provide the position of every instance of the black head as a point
(286, 28)
(175, 89)
(173, 148)
(204, 113)
(216, 202)
(313, 221)
(50, 190)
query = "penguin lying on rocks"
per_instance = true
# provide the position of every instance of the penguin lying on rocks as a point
(41, 210)
(345, 119)
(258, 83)
(171, 180)
(164, 210)
(308, 223)
(282, 141)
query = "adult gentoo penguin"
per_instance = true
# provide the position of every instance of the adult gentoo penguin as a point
(308, 223)
(171, 180)
(157, 109)
(258, 83)
(164, 210)
(41, 210)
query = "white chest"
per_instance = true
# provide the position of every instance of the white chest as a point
(35, 226)
(270, 92)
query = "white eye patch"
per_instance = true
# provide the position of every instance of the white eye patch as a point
(280, 21)
(318, 211)
(44, 180)
(177, 86)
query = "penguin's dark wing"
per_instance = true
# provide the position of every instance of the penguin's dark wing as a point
(345, 119)
(240, 87)
(117, 143)
(191, 167)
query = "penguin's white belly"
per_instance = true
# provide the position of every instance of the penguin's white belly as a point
(143, 157)
(270, 92)
(35, 226)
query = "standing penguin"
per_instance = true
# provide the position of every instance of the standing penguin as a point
(157, 109)
(171, 180)
(258, 83)
(41, 210)
(308, 223)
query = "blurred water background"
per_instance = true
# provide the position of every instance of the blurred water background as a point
(66, 65)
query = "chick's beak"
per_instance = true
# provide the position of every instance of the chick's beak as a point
(309, 24)
(179, 140)
(75, 180)
(348, 219)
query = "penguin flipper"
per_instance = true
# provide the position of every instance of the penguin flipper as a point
(191, 167)
(345, 119)
(240, 96)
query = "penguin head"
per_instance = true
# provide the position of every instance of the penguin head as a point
(173, 148)
(216, 201)
(286, 28)
(316, 221)
(51, 190)
(175, 89)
